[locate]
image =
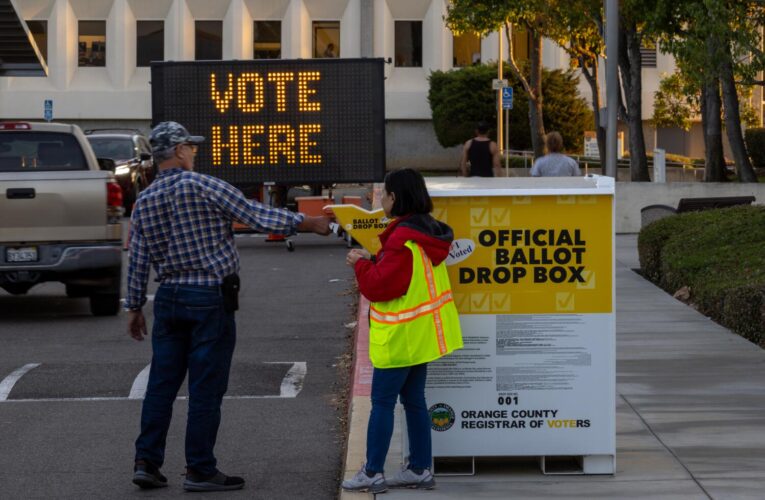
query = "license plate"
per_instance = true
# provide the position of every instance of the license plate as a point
(25, 254)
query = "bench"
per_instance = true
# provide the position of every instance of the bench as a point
(653, 213)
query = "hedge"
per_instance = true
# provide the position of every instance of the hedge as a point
(720, 256)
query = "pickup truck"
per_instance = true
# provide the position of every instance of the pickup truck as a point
(60, 214)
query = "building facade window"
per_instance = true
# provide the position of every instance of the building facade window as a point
(648, 57)
(408, 44)
(150, 42)
(208, 38)
(521, 45)
(91, 43)
(267, 40)
(326, 39)
(466, 50)
(39, 31)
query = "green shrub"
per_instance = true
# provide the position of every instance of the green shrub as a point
(755, 144)
(720, 256)
(462, 97)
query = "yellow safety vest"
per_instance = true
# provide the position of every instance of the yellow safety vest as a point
(420, 326)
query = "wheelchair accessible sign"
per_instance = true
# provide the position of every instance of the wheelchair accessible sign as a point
(507, 97)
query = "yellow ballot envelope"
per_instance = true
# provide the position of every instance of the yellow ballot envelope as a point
(364, 226)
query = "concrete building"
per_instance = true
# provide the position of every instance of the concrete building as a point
(98, 52)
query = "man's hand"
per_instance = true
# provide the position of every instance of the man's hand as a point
(354, 255)
(136, 325)
(318, 225)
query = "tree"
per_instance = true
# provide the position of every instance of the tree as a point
(459, 98)
(715, 43)
(485, 16)
(631, 37)
(675, 104)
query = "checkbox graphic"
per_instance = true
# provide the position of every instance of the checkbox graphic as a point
(480, 302)
(589, 281)
(564, 301)
(500, 302)
(500, 216)
(479, 217)
(461, 302)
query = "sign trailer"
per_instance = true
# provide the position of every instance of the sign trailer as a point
(285, 121)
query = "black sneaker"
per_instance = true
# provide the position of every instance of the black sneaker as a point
(217, 482)
(147, 476)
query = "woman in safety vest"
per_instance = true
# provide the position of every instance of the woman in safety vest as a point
(412, 321)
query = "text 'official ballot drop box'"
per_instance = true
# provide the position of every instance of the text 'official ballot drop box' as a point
(532, 271)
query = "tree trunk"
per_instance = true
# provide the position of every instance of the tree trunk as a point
(714, 170)
(536, 116)
(630, 64)
(532, 85)
(600, 132)
(744, 168)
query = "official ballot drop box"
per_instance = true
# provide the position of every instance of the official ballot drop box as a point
(532, 272)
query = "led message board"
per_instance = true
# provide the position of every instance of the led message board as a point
(285, 121)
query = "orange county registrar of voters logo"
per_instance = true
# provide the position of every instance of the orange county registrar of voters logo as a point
(441, 417)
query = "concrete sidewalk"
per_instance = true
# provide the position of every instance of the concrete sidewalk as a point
(690, 415)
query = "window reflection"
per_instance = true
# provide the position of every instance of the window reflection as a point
(408, 41)
(326, 39)
(150, 42)
(267, 40)
(466, 50)
(208, 39)
(91, 43)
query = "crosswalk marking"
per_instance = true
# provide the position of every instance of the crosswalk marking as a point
(6, 386)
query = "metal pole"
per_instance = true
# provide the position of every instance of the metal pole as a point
(500, 144)
(507, 143)
(612, 82)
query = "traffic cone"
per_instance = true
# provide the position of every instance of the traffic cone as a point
(275, 237)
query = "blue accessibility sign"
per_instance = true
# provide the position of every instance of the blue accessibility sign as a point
(48, 110)
(507, 97)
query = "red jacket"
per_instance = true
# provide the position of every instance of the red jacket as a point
(387, 276)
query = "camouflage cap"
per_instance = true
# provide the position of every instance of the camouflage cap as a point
(167, 135)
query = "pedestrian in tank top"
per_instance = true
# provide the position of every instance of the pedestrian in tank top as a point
(480, 155)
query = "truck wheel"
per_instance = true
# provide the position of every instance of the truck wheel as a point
(104, 304)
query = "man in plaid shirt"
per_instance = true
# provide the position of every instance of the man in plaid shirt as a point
(182, 225)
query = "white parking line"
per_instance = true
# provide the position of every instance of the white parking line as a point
(6, 386)
(291, 385)
(138, 389)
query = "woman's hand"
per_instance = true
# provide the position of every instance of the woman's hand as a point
(354, 255)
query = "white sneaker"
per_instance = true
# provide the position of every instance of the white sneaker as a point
(362, 482)
(407, 478)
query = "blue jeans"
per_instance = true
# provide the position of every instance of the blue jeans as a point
(191, 332)
(387, 385)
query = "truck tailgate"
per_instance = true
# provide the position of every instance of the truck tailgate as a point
(53, 206)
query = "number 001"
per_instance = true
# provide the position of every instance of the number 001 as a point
(509, 400)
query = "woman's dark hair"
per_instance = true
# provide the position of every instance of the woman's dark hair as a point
(411, 194)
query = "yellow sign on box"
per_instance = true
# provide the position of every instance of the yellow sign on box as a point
(364, 226)
(544, 255)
